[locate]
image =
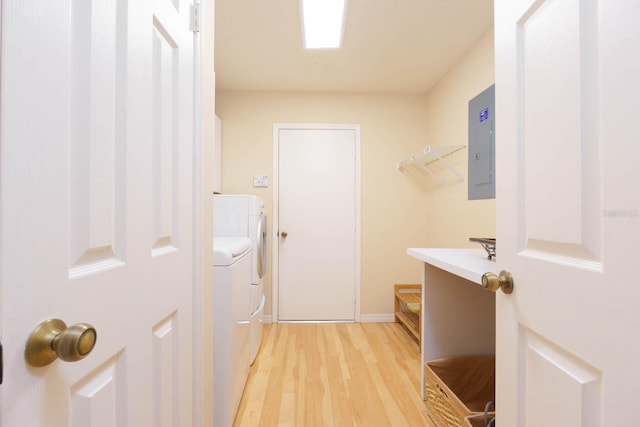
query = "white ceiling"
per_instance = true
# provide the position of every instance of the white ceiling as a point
(389, 46)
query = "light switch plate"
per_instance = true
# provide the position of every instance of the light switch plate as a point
(260, 180)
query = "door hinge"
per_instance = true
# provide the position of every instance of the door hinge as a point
(1, 362)
(195, 17)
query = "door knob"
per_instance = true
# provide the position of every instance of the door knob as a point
(284, 234)
(492, 283)
(52, 339)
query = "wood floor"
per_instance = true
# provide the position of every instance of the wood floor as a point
(349, 374)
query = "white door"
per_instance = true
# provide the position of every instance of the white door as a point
(317, 222)
(568, 215)
(96, 196)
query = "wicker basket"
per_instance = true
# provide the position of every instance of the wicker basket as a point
(477, 420)
(458, 387)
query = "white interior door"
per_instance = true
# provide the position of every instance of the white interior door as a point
(317, 220)
(96, 194)
(568, 212)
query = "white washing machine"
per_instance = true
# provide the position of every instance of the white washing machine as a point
(231, 293)
(244, 215)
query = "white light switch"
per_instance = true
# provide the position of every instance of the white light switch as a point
(260, 180)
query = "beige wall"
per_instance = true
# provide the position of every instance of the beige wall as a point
(398, 210)
(393, 210)
(454, 218)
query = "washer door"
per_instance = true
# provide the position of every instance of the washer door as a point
(261, 254)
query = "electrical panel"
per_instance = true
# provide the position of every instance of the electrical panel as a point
(482, 147)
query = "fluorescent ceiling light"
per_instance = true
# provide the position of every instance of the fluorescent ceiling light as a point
(322, 23)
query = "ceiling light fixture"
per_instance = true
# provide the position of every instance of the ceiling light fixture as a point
(322, 23)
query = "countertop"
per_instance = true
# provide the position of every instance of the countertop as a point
(468, 263)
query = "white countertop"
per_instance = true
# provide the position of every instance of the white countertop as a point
(470, 264)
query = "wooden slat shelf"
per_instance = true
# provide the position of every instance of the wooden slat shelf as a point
(408, 294)
(410, 320)
(409, 297)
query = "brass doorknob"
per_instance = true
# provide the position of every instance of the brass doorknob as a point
(284, 234)
(52, 339)
(492, 283)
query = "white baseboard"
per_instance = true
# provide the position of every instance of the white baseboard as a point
(377, 318)
(364, 318)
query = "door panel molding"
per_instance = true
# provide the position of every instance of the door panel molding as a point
(559, 170)
(561, 384)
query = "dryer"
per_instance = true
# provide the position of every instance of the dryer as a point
(231, 278)
(244, 215)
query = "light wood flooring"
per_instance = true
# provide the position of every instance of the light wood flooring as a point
(348, 374)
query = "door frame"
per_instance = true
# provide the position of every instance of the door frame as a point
(277, 127)
(204, 133)
(2, 285)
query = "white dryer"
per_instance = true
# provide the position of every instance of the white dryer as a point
(244, 215)
(231, 292)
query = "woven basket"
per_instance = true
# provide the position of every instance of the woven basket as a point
(477, 420)
(440, 411)
(458, 387)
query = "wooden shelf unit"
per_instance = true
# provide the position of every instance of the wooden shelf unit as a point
(408, 294)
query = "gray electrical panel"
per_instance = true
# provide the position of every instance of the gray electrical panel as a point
(482, 147)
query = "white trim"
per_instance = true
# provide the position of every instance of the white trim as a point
(377, 318)
(198, 237)
(275, 254)
(275, 213)
(2, 208)
(204, 106)
(364, 318)
(315, 322)
(358, 211)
